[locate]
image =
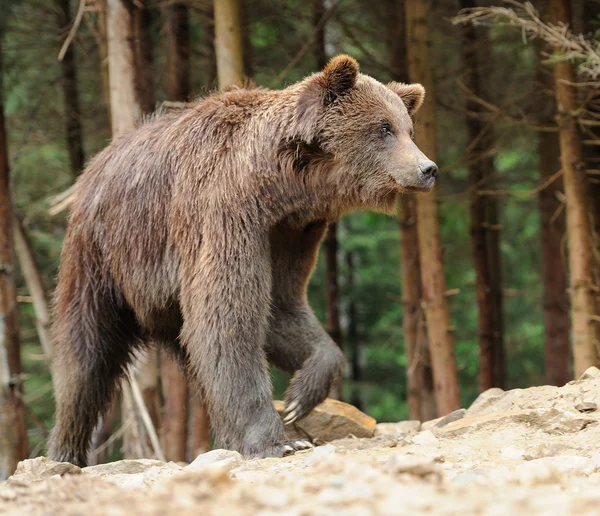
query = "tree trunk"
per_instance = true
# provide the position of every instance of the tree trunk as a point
(74, 131)
(228, 42)
(578, 206)
(209, 60)
(200, 427)
(13, 427)
(178, 52)
(35, 285)
(353, 340)
(557, 352)
(130, 97)
(332, 290)
(143, 55)
(484, 218)
(419, 381)
(125, 100)
(428, 224)
(174, 384)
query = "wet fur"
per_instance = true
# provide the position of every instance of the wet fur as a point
(199, 231)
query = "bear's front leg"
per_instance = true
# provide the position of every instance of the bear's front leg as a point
(225, 300)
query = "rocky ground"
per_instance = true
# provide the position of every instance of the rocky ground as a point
(527, 451)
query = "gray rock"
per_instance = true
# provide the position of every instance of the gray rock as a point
(586, 406)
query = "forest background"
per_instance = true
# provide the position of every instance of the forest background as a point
(500, 209)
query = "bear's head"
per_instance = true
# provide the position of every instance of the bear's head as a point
(364, 130)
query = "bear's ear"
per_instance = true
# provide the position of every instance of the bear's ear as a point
(320, 89)
(411, 94)
(339, 76)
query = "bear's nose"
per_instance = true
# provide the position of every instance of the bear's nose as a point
(428, 169)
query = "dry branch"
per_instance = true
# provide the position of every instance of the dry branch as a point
(525, 17)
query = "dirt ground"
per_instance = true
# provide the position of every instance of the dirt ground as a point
(527, 451)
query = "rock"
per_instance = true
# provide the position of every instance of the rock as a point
(586, 406)
(444, 420)
(413, 464)
(512, 452)
(397, 430)
(330, 420)
(127, 467)
(589, 374)
(34, 470)
(225, 459)
(450, 418)
(428, 425)
(321, 455)
(484, 400)
(425, 437)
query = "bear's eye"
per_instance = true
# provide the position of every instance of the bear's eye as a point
(386, 130)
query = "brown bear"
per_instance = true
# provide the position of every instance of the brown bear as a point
(198, 232)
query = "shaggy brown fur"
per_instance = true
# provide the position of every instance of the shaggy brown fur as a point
(200, 230)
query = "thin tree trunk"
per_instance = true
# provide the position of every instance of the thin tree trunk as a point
(484, 219)
(419, 381)
(178, 52)
(129, 98)
(13, 426)
(174, 384)
(209, 61)
(143, 55)
(74, 131)
(228, 42)
(332, 297)
(35, 285)
(428, 224)
(332, 290)
(557, 352)
(353, 340)
(103, 50)
(578, 206)
(125, 100)
(200, 427)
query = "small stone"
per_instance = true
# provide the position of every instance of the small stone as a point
(425, 437)
(415, 465)
(397, 430)
(586, 406)
(512, 452)
(321, 454)
(450, 418)
(226, 459)
(589, 374)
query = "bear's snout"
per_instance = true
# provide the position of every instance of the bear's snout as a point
(428, 169)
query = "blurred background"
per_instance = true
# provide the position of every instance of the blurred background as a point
(465, 289)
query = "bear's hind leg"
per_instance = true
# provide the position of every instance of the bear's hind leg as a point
(94, 339)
